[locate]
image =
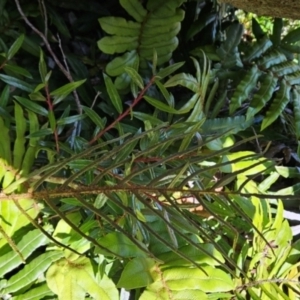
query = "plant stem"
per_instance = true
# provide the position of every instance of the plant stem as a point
(126, 112)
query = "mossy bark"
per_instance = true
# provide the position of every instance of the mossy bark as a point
(273, 8)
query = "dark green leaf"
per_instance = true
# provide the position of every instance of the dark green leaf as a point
(134, 9)
(292, 37)
(20, 84)
(94, 117)
(67, 88)
(135, 76)
(138, 265)
(277, 30)
(113, 94)
(161, 106)
(278, 105)
(120, 244)
(17, 70)
(42, 67)
(15, 47)
(169, 70)
(257, 30)
(32, 106)
(120, 26)
(41, 133)
(70, 120)
(117, 44)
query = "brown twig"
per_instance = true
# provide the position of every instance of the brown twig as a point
(95, 190)
(79, 108)
(95, 99)
(50, 107)
(48, 46)
(45, 40)
(44, 12)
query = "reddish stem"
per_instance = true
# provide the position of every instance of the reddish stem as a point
(125, 113)
(50, 106)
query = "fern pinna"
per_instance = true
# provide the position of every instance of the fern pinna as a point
(153, 32)
(259, 80)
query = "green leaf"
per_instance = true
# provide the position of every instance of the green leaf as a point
(235, 124)
(285, 68)
(41, 133)
(161, 106)
(42, 67)
(190, 104)
(32, 271)
(288, 48)
(134, 9)
(9, 68)
(113, 94)
(233, 37)
(296, 103)
(67, 88)
(18, 83)
(121, 245)
(268, 85)
(38, 109)
(12, 220)
(146, 117)
(244, 89)
(19, 147)
(15, 47)
(277, 30)
(245, 161)
(58, 20)
(169, 70)
(4, 96)
(188, 283)
(199, 24)
(126, 150)
(257, 30)
(273, 58)
(36, 293)
(172, 259)
(37, 96)
(209, 280)
(117, 65)
(122, 82)
(140, 266)
(30, 45)
(164, 294)
(5, 147)
(63, 278)
(209, 50)
(185, 80)
(70, 120)
(164, 50)
(28, 244)
(135, 76)
(117, 44)
(29, 159)
(258, 48)
(120, 26)
(94, 117)
(292, 37)
(52, 120)
(154, 62)
(278, 105)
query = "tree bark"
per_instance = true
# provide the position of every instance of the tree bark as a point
(273, 8)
